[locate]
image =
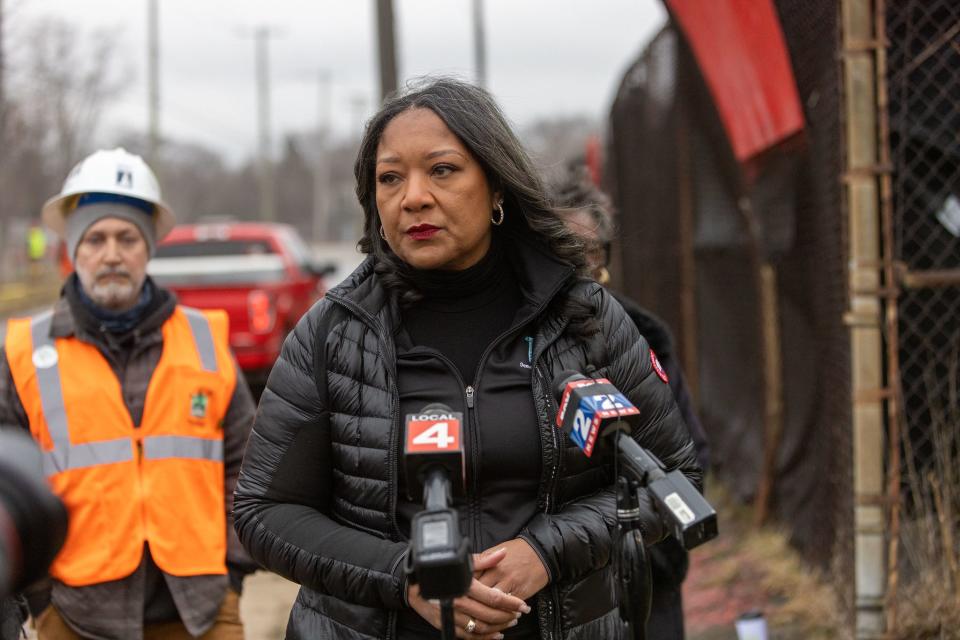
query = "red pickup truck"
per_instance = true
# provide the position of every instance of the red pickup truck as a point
(262, 274)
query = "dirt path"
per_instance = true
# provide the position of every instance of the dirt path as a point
(265, 605)
(747, 569)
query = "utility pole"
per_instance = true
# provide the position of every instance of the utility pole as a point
(153, 80)
(321, 171)
(3, 86)
(479, 44)
(261, 36)
(387, 48)
(358, 108)
(3, 136)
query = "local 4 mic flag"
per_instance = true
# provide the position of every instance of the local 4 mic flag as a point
(434, 437)
(585, 405)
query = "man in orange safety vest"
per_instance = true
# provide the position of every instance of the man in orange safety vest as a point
(141, 415)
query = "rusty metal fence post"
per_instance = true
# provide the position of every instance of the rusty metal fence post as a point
(891, 293)
(859, 42)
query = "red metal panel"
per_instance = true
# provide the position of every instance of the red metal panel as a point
(740, 49)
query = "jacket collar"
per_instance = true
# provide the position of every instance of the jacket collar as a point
(541, 276)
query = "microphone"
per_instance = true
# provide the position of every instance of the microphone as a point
(594, 413)
(439, 559)
(433, 440)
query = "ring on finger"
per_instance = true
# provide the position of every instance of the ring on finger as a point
(471, 625)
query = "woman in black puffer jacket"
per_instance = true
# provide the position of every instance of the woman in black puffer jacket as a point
(470, 296)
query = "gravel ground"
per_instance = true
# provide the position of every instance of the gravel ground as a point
(265, 605)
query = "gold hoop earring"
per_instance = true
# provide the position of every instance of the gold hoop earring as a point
(498, 221)
(382, 234)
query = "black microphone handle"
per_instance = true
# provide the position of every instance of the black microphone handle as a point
(634, 588)
(448, 627)
(634, 457)
(436, 489)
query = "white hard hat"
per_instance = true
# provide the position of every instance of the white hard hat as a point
(114, 171)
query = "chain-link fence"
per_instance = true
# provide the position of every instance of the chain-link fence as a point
(681, 198)
(923, 79)
(814, 275)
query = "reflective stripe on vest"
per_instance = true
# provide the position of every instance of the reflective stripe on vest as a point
(66, 456)
(160, 447)
(202, 338)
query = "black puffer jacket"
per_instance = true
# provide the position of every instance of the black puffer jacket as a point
(316, 500)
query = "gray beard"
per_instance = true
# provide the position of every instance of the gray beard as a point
(113, 295)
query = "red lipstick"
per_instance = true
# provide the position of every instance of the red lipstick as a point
(422, 231)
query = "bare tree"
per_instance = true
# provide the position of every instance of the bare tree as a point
(57, 83)
(70, 79)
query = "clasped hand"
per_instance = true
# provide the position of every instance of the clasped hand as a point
(503, 577)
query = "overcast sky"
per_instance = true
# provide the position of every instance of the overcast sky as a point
(545, 57)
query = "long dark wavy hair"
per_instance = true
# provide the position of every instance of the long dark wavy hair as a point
(476, 119)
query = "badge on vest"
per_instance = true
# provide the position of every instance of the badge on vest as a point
(45, 357)
(198, 405)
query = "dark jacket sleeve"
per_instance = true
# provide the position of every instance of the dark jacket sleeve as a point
(12, 413)
(13, 615)
(236, 430)
(282, 507)
(578, 539)
(681, 393)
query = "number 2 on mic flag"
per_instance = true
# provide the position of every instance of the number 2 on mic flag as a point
(586, 426)
(433, 435)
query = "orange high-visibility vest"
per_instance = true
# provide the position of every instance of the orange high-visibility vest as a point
(161, 483)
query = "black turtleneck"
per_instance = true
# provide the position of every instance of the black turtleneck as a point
(462, 315)
(462, 312)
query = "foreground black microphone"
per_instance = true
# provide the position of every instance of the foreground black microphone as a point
(594, 413)
(33, 521)
(439, 559)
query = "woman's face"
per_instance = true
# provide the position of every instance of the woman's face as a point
(434, 200)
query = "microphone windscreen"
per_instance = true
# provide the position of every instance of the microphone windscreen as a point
(562, 379)
(436, 407)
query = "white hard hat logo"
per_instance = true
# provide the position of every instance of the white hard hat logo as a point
(124, 177)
